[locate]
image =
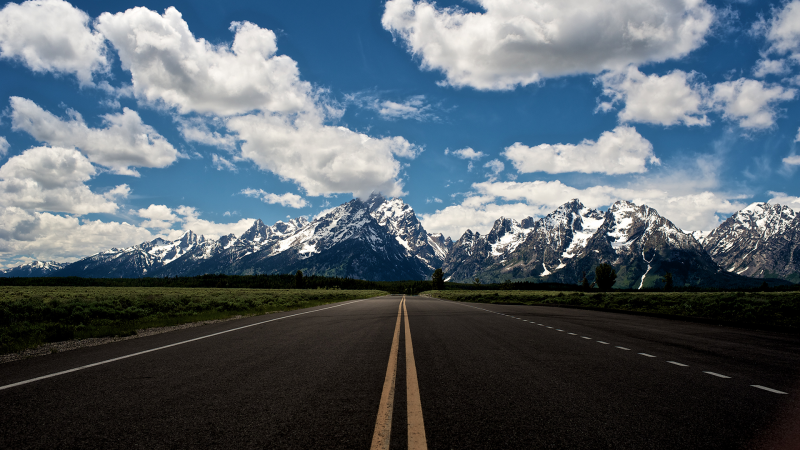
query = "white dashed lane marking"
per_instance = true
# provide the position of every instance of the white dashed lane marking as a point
(774, 391)
(757, 386)
(716, 374)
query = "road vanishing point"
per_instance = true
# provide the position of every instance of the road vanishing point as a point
(399, 372)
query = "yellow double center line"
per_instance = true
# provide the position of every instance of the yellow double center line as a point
(383, 425)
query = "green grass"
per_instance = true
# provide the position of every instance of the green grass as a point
(31, 316)
(774, 309)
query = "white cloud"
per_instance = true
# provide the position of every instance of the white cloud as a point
(797, 138)
(454, 220)
(664, 100)
(783, 31)
(750, 102)
(46, 236)
(168, 64)
(766, 67)
(519, 42)
(124, 142)
(792, 160)
(413, 108)
(465, 153)
(52, 179)
(3, 146)
(621, 150)
(52, 36)
(322, 159)
(495, 166)
(198, 129)
(782, 198)
(190, 220)
(433, 200)
(222, 164)
(287, 199)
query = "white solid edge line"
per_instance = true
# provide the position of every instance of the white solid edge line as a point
(716, 374)
(678, 364)
(622, 348)
(20, 383)
(645, 354)
(774, 391)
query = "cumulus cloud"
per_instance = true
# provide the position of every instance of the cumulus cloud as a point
(124, 141)
(478, 216)
(783, 30)
(766, 67)
(169, 65)
(663, 100)
(619, 151)
(205, 131)
(751, 103)
(519, 42)
(45, 236)
(52, 36)
(783, 198)
(287, 199)
(465, 153)
(3, 146)
(189, 219)
(322, 159)
(221, 163)
(159, 217)
(792, 160)
(495, 166)
(52, 179)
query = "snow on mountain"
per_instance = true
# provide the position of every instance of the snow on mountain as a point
(382, 239)
(762, 240)
(574, 239)
(33, 269)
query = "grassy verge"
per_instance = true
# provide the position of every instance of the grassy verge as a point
(31, 316)
(771, 309)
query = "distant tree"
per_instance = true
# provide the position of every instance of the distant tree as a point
(667, 281)
(764, 286)
(605, 276)
(476, 281)
(585, 283)
(438, 279)
(298, 280)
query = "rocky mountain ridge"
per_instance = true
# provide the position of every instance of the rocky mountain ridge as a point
(382, 239)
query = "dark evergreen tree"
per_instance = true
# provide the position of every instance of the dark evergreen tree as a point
(585, 283)
(605, 276)
(438, 279)
(668, 281)
(298, 280)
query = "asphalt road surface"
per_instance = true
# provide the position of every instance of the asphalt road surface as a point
(486, 376)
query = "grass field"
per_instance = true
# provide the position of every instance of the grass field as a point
(773, 309)
(30, 316)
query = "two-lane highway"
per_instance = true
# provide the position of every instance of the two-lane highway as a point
(487, 376)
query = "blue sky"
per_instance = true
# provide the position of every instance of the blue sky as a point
(142, 119)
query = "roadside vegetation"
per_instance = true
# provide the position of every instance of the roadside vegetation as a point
(766, 309)
(33, 315)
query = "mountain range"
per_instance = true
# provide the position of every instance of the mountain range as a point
(382, 239)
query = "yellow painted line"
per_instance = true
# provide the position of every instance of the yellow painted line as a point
(383, 425)
(416, 426)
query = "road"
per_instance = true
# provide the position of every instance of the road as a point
(487, 376)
